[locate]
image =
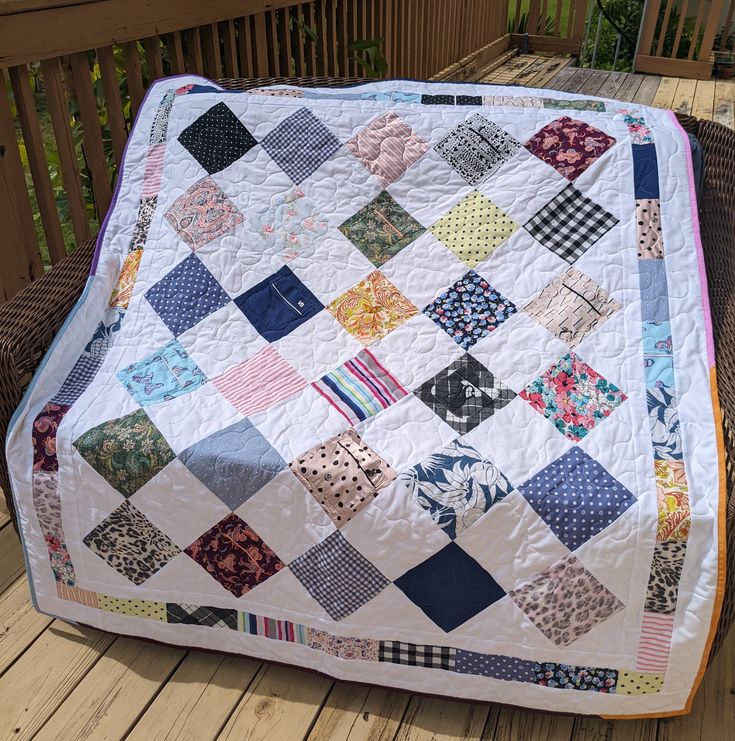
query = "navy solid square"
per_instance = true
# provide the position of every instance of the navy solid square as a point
(185, 295)
(450, 587)
(278, 304)
(645, 171)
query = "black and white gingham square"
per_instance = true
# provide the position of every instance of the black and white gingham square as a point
(213, 617)
(432, 657)
(338, 577)
(300, 144)
(570, 224)
(81, 375)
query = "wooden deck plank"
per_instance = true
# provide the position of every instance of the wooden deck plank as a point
(529, 72)
(514, 725)
(724, 107)
(431, 719)
(554, 68)
(664, 96)
(113, 694)
(611, 86)
(198, 699)
(561, 77)
(684, 96)
(355, 713)
(595, 729)
(630, 87)
(20, 624)
(575, 82)
(704, 99)
(648, 89)
(281, 703)
(592, 85)
(47, 672)
(11, 557)
(4, 514)
(507, 73)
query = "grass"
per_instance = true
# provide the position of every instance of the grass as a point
(550, 11)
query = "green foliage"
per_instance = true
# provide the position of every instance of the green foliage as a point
(627, 16)
(369, 56)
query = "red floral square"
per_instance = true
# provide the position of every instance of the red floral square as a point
(235, 555)
(569, 146)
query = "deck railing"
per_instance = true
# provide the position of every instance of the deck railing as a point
(679, 37)
(73, 74)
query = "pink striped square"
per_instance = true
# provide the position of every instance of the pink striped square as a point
(387, 147)
(259, 382)
(153, 170)
(654, 645)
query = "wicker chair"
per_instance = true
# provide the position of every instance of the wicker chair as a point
(29, 322)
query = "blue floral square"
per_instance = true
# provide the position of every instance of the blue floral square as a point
(163, 375)
(456, 486)
(470, 309)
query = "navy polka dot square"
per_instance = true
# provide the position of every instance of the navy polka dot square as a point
(183, 297)
(217, 139)
(278, 304)
(301, 144)
(576, 497)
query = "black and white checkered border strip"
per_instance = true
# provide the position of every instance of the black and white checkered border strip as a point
(412, 654)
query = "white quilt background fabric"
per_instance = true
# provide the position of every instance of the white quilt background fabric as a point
(394, 533)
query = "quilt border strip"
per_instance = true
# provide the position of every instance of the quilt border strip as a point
(674, 517)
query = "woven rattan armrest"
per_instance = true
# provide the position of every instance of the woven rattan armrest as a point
(29, 322)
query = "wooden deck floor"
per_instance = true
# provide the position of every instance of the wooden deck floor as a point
(62, 682)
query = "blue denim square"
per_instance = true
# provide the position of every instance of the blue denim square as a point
(645, 171)
(450, 587)
(654, 291)
(278, 304)
(187, 294)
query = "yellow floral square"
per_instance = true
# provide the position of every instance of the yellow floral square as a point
(474, 228)
(674, 517)
(372, 308)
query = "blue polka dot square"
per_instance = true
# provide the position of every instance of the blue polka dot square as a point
(507, 668)
(470, 309)
(186, 295)
(450, 587)
(576, 497)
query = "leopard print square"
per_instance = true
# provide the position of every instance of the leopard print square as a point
(663, 581)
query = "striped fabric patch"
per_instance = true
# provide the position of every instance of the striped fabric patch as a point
(153, 170)
(279, 630)
(655, 642)
(360, 388)
(259, 382)
(76, 594)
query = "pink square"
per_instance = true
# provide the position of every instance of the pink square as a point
(387, 147)
(259, 382)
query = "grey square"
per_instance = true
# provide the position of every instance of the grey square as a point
(338, 577)
(234, 463)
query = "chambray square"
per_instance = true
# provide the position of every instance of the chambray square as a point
(234, 463)
(469, 310)
(186, 295)
(450, 587)
(279, 304)
(217, 138)
(301, 144)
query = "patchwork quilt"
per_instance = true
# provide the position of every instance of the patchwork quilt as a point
(409, 384)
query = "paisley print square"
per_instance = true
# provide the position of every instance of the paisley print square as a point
(565, 601)
(572, 306)
(217, 138)
(131, 544)
(127, 452)
(387, 147)
(474, 228)
(469, 310)
(44, 436)
(456, 486)
(234, 555)
(203, 213)
(381, 229)
(573, 397)
(569, 146)
(372, 308)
